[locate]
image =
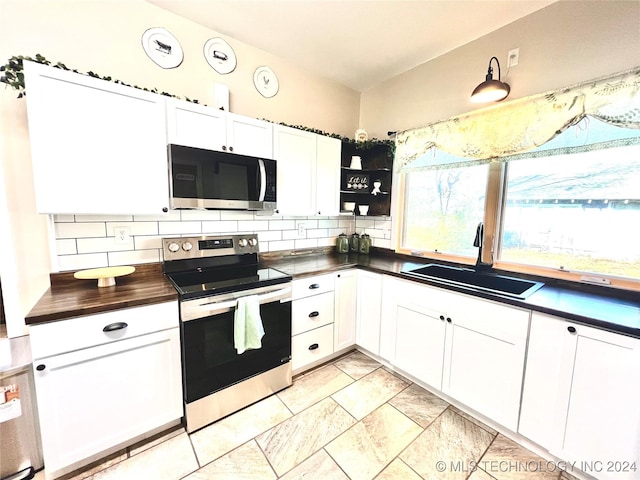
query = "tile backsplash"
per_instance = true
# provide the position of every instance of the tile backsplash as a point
(91, 241)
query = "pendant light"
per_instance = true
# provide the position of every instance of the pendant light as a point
(491, 90)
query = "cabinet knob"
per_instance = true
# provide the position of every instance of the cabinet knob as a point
(313, 346)
(338, 275)
(314, 314)
(41, 367)
(441, 317)
(319, 212)
(313, 286)
(224, 148)
(165, 209)
(572, 329)
(276, 211)
(231, 149)
(449, 319)
(112, 327)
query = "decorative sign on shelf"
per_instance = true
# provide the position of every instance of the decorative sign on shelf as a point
(358, 182)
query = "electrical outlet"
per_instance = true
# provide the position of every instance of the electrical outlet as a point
(301, 229)
(514, 57)
(122, 234)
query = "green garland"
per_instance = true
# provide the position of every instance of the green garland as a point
(13, 75)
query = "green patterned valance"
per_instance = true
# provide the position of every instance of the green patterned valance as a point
(513, 128)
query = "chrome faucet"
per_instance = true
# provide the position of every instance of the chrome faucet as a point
(479, 242)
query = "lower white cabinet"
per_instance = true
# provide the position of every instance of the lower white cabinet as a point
(592, 397)
(346, 291)
(310, 347)
(95, 399)
(369, 311)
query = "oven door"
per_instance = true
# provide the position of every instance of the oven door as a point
(210, 179)
(210, 360)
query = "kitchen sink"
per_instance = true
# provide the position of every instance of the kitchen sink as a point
(481, 281)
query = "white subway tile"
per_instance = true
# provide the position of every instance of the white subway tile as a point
(292, 235)
(382, 243)
(269, 236)
(203, 215)
(282, 224)
(135, 228)
(146, 243)
(104, 218)
(133, 257)
(308, 223)
(105, 244)
(79, 230)
(81, 262)
(176, 228)
(63, 218)
(326, 242)
(383, 224)
(346, 222)
(235, 215)
(317, 233)
(226, 226)
(329, 223)
(171, 216)
(307, 243)
(366, 223)
(375, 233)
(253, 225)
(334, 232)
(281, 245)
(66, 246)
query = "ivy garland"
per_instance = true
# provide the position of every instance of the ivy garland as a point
(13, 76)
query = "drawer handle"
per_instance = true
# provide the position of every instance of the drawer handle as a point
(314, 314)
(313, 286)
(313, 346)
(571, 329)
(112, 327)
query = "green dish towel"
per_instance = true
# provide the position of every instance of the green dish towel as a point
(247, 328)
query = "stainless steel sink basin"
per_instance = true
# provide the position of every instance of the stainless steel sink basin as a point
(481, 281)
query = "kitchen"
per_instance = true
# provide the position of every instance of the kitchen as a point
(334, 109)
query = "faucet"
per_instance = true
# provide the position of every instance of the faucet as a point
(479, 242)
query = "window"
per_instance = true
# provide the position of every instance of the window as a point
(442, 209)
(577, 212)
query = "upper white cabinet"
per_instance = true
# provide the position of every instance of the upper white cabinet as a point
(590, 406)
(346, 284)
(308, 172)
(369, 311)
(96, 147)
(195, 125)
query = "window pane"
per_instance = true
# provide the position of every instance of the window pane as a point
(443, 208)
(577, 212)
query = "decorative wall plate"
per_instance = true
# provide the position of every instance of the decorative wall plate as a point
(265, 81)
(162, 47)
(220, 55)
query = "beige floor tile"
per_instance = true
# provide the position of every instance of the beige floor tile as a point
(320, 466)
(474, 420)
(223, 436)
(506, 460)
(156, 440)
(364, 450)
(299, 437)
(357, 365)
(567, 476)
(479, 474)
(90, 470)
(398, 470)
(364, 396)
(244, 463)
(447, 447)
(419, 405)
(313, 387)
(169, 460)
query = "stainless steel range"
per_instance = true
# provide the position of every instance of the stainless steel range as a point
(212, 274)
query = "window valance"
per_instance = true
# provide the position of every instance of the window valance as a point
(521, 125)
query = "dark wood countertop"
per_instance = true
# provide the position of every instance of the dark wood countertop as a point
(68, 297)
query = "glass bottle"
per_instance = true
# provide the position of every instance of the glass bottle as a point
(354, 243)
(342, 243)
(365, 244)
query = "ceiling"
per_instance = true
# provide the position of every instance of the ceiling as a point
(358, 43)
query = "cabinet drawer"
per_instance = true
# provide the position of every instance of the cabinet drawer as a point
(311, 312)
(305, 287)
(82, 332)
(303, 352)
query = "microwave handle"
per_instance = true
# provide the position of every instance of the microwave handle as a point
(263, 180)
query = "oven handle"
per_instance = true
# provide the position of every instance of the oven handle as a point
(205, 307)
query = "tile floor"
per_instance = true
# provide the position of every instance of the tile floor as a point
(350, 419)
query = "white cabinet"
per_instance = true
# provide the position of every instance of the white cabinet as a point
(195, 125)
(100, 389)
(346, 284)
(96, 147)
(312, 317)
(369, 311)
(592, 400)
(308, 172)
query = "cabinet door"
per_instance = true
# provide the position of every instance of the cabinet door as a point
(295, 152)
(484, 357)
(369, 310)
(419, 349)
(346, 293)
(248, 136)
(194, 125)
(328, 175)
(311, 347)
(597, 414)
(96, 147)
(93, 399)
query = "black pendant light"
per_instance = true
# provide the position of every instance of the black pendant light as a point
(491, 90)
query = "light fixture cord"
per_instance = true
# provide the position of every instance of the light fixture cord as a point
(491, 70)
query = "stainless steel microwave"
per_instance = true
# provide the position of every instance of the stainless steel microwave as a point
(208, 179)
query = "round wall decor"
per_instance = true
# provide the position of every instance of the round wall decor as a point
(265, 81)
(162, 47)
(220, 55)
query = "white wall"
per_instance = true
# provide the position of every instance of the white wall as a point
(565, 43)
